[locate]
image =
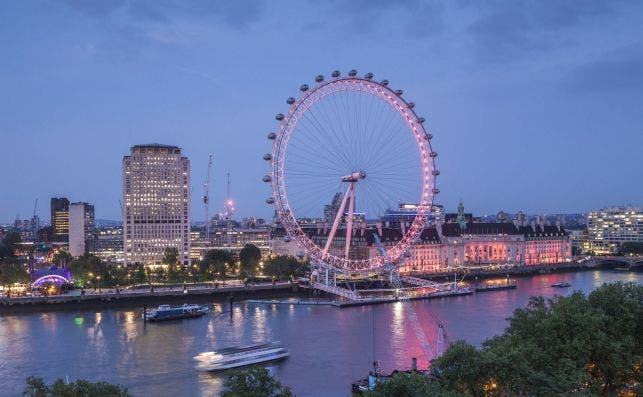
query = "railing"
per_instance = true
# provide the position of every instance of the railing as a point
(343, 292)
(420, 281)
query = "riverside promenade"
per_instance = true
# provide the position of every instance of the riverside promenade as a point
(138, 296)
(504, 270)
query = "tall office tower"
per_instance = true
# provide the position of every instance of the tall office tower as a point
(156, 194)
(81, 228)
(60, 218)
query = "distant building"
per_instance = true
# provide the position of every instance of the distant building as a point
(330, 210)
(609, 227)
(45, 234)
(546, 244)
(231, 240)
(60, 218)
(156, 198)
(108, 244)
(405, 213)
(444, 246)
(81, 228)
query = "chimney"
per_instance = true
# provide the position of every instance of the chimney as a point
(414, 364)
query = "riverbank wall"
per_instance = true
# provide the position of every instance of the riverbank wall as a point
(139, 298)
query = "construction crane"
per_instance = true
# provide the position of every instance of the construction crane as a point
(228, 213)
(396, 282)
(35, 218)
(206, 199)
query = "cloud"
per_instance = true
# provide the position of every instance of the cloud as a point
(135, 25)
(238, 13)
(95, 8)
(616, 71)
(418, 18)
(510, 30)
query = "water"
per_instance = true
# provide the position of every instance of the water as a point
(329, 347)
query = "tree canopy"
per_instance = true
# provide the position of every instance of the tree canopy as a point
(253, 382)
(283, 266)
(62, 258)
(574, 345)
(249, 256)
(410, 385)
(170, 256)
(36, 387)
(8, 245)
(215, 262)
(13, 272)
(631, 247)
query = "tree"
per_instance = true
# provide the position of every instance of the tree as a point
(170, 256)
(13, 272)
(409, 385)
(568, 346)
(62, 258)
(8, 245)
(160, 274)
(631, 247)
(249, 256)
(36, 387)
(86, 268)
(215, 262)
(616, 361)
(461, 368)
(284, 266)
(138, 273)
(253, 382)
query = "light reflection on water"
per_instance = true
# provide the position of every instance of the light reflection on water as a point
(329, 347)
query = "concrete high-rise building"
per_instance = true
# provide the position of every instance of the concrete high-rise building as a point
(81, 227)
(609, 227)
(60, 218)
(156, 198)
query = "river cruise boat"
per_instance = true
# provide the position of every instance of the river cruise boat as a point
(167, 312)
(236, 357)
(561, 285)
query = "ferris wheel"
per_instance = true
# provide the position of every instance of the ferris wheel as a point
(348, 151)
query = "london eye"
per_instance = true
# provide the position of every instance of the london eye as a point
(346, 151)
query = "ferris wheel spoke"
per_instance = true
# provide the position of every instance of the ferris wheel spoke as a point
(335, 133)
(320, 143)
(338, 152)
(350, 140)
(308, 155)
(390, 130)
(343, 124)
(383, 139)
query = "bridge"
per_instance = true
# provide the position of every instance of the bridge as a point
(629, 262)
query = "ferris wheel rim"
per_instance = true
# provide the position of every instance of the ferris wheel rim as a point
(414, 124)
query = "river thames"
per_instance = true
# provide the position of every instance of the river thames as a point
(329, 347)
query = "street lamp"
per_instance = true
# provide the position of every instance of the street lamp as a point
(98, 278)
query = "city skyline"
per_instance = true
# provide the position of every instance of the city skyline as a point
(531, 112)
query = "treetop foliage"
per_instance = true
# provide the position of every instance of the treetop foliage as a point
(253, 382)
(36, 387)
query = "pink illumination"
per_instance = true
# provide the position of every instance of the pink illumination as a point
(280, 145)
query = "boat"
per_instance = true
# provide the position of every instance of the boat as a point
(361, 386)
(561, 285)
(167, 312)
(235, 357)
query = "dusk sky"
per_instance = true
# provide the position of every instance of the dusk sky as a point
(535, 105)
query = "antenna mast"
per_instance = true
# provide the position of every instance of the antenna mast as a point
(206, 199)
